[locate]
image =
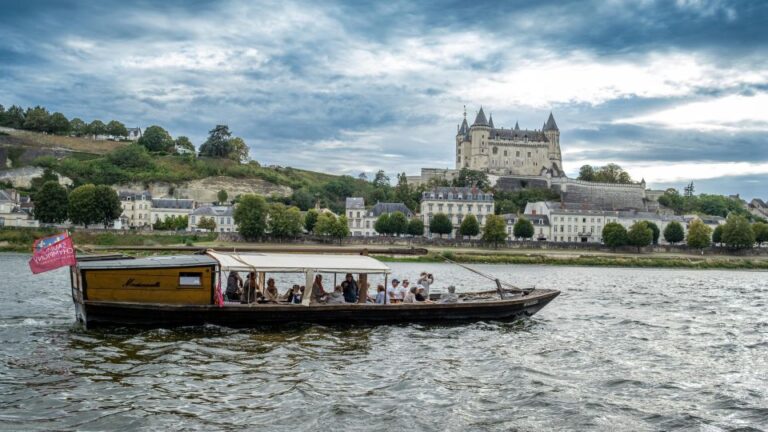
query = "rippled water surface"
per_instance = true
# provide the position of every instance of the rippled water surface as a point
(620, 349)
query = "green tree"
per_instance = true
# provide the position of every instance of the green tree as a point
(495, 230)
(523, 228)
(381, 180)
(310, 219)
(82, 206)
(238, 150)
(398, 223)
(472, 178)
(737, 233)
(222, 196)
(699, 235)
(157, 140)
(341, 228)
(116, 129)
(217, 144)
(58, 124)
(184, 144)
(614, 235)
(717, 235)
(440, 224)
(14, 117)
(640, 235)
(382, 224)
(469, 226)
(132, 156)
(586, 173)
(96, 128)
(672, 199)
(284, 222)
(207, 223)
(51, 203)
(674, 233)
(656, 231)
(78, 127)
(416, 227)
(761, 232)
(404, 192)
(36, 119)
(251, 216)
(107, 205)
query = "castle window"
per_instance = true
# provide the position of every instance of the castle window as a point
(495, 150)
(517, 153)
(529, 154)
(505, 152)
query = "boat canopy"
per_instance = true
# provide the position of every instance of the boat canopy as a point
(298, 263)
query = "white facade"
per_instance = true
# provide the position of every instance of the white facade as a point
(137, 209)
(456, 203)
(167, 207)
(361, 220)
(542, 231)
(11, 212)
(222, 215)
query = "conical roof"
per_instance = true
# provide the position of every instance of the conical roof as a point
(490, 121)
(517, 126)
(480, 119)
(550, 124)
(464, 127)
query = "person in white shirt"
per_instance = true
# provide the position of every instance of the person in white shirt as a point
(402, 290)
(391, 292)
(425, 280)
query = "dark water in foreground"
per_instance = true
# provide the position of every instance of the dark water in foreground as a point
(620, 349)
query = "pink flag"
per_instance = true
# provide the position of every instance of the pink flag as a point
(52, 252)
(217, 293)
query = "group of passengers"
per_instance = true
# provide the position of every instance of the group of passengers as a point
(348, 291)
(249, 291)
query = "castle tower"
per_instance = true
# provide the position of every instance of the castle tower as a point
(462, 143)
(479, 134)
(552, 133)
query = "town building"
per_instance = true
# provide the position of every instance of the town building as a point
(163, 208)
(222, 215)
(137, 209)
(456, 203)
(361, 220)
(16, 210)
(758, 208)
(542, 231)
(134, 134)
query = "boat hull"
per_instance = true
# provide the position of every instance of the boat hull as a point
(99, 313)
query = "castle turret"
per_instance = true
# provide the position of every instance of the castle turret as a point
(552, 132)
(462, 143)
(490, 121)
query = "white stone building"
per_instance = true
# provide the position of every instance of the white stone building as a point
(362, 220)
(542, 231)
(137, 209)
(163, 208)
(222, 215)
(134, 133)
(456, 202)
(14, 212)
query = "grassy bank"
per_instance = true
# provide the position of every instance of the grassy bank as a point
(591, 261)
(21, 240)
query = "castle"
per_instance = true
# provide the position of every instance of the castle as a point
(517, 152)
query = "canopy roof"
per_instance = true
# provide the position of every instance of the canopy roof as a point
(298, 263)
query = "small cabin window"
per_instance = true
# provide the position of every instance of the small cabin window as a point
(190, 280)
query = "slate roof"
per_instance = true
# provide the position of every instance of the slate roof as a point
(133, 196)
(213, 211)
(5, 196)
(517, 134)
(453, 192)
(355, 203)
(381, 208)
(480, 120)
(550, 124)
(490, 121)
(172, 203)
(511, 218)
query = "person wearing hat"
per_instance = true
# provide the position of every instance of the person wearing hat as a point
(420, 297)
(391, 291)
(425, 280)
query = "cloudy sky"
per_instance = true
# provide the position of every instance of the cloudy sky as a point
(674, 91)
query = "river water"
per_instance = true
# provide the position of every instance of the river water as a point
(620, 349)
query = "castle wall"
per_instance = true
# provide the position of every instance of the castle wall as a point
(603, 195)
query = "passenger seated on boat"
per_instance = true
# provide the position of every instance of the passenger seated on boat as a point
(234, 286)
(288, 296)
(420, 297)
(349, 286)
(337, 296)
(318, 292)
(450, 296)
(410, 297)
(402, 290)
(271, 295)
(251, 290)
(381, 294)
(298, 295)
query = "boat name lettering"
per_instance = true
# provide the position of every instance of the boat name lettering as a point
(132, 283)
(530, 303)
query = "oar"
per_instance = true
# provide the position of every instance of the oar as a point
(498, 282)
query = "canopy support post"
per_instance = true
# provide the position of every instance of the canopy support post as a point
(307, 296)
(362, 288)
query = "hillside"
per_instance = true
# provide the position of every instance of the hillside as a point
(131, 167)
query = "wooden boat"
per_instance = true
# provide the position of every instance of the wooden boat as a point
(182, 290)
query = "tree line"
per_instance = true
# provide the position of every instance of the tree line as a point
(39, 119)
(84, 205)
(737, 233)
